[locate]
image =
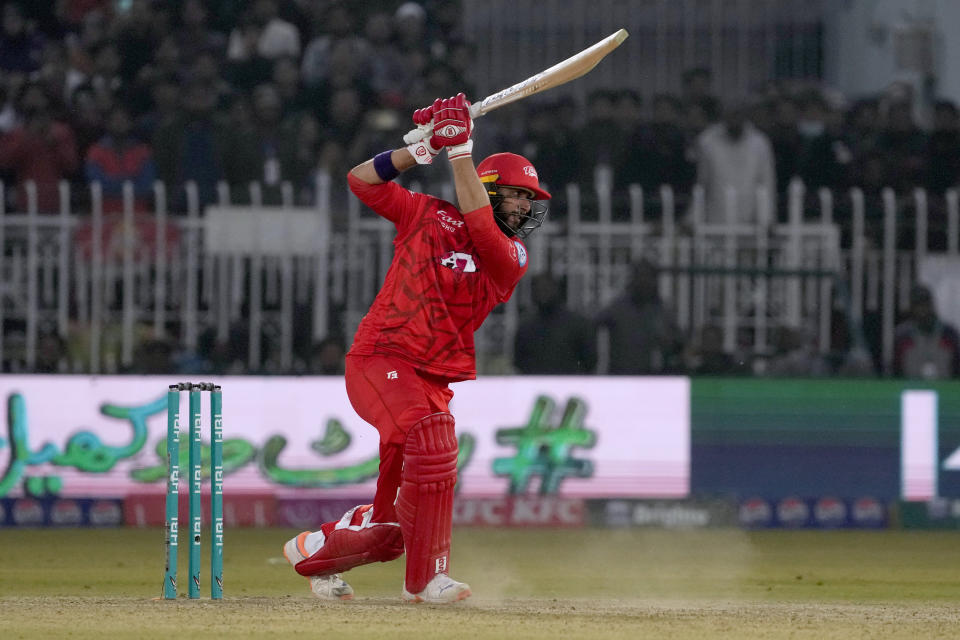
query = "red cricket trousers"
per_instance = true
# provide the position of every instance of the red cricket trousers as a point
(392, 396)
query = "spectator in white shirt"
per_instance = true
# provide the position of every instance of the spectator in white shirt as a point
(279, 38)
(734, 157)
(272, 36)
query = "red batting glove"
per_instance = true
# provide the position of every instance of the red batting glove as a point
(452, 124)
(424, 151)
(425, 116)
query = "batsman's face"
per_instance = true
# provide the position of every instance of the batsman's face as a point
(515, 206)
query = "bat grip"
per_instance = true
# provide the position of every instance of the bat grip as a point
(418, 134)
(424, 130)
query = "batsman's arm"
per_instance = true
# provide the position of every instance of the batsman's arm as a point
(400, 159)
(499, 254)
(471, 194)
(372, 182)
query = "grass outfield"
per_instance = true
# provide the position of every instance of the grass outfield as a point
(527, 584)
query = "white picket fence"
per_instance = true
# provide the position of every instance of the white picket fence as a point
(266, 269)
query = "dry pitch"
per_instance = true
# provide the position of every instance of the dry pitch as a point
(527, 584)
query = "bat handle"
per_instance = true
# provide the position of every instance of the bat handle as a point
(424, 130)
(418, 134)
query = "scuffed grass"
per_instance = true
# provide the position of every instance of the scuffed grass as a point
(527, 584)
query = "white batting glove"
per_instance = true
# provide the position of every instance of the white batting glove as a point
(423, 152)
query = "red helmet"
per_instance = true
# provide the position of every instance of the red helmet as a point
(511, 170)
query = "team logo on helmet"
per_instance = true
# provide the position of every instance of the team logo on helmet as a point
(530, 171)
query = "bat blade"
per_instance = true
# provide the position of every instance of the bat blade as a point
(561, 73)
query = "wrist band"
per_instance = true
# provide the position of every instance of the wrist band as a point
(460, 150)
(383, 165)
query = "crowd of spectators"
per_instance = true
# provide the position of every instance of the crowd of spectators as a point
(266, 91)
(273, 91)
(639, 335)
(788, 130)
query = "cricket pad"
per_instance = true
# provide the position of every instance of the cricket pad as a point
(425, 499)
(353, 541)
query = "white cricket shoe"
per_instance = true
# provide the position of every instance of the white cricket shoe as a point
(331, 587)
(441, 590)
(294, 550)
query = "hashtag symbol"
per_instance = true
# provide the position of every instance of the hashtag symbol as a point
(544, 449)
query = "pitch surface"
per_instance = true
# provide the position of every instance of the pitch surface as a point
(527, 584)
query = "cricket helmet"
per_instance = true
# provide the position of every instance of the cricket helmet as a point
(512, 170)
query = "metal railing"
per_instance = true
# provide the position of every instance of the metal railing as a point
(106, 283)
(109, 281)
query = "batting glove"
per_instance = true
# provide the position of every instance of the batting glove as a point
(425, 150)
(453, 126)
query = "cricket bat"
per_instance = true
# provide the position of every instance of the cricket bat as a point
(560, 73)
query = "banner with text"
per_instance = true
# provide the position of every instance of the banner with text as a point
(298, 437)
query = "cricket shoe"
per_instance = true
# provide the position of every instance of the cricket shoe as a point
(441, 590)
(331, 587)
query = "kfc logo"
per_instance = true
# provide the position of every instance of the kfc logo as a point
(458, 262)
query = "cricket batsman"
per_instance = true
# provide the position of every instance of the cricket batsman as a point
(451, 267)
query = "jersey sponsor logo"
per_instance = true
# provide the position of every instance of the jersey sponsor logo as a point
(391, 375)
(448, 222)
(458, 261)
(521, 253)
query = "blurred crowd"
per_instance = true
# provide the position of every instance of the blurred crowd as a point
(788, 130)
(637, 334)
(274, 91)
(266, 91)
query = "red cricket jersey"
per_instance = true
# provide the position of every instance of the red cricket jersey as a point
(449, 271)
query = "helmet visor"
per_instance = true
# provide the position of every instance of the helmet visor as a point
(533, 219)
(517, 215)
